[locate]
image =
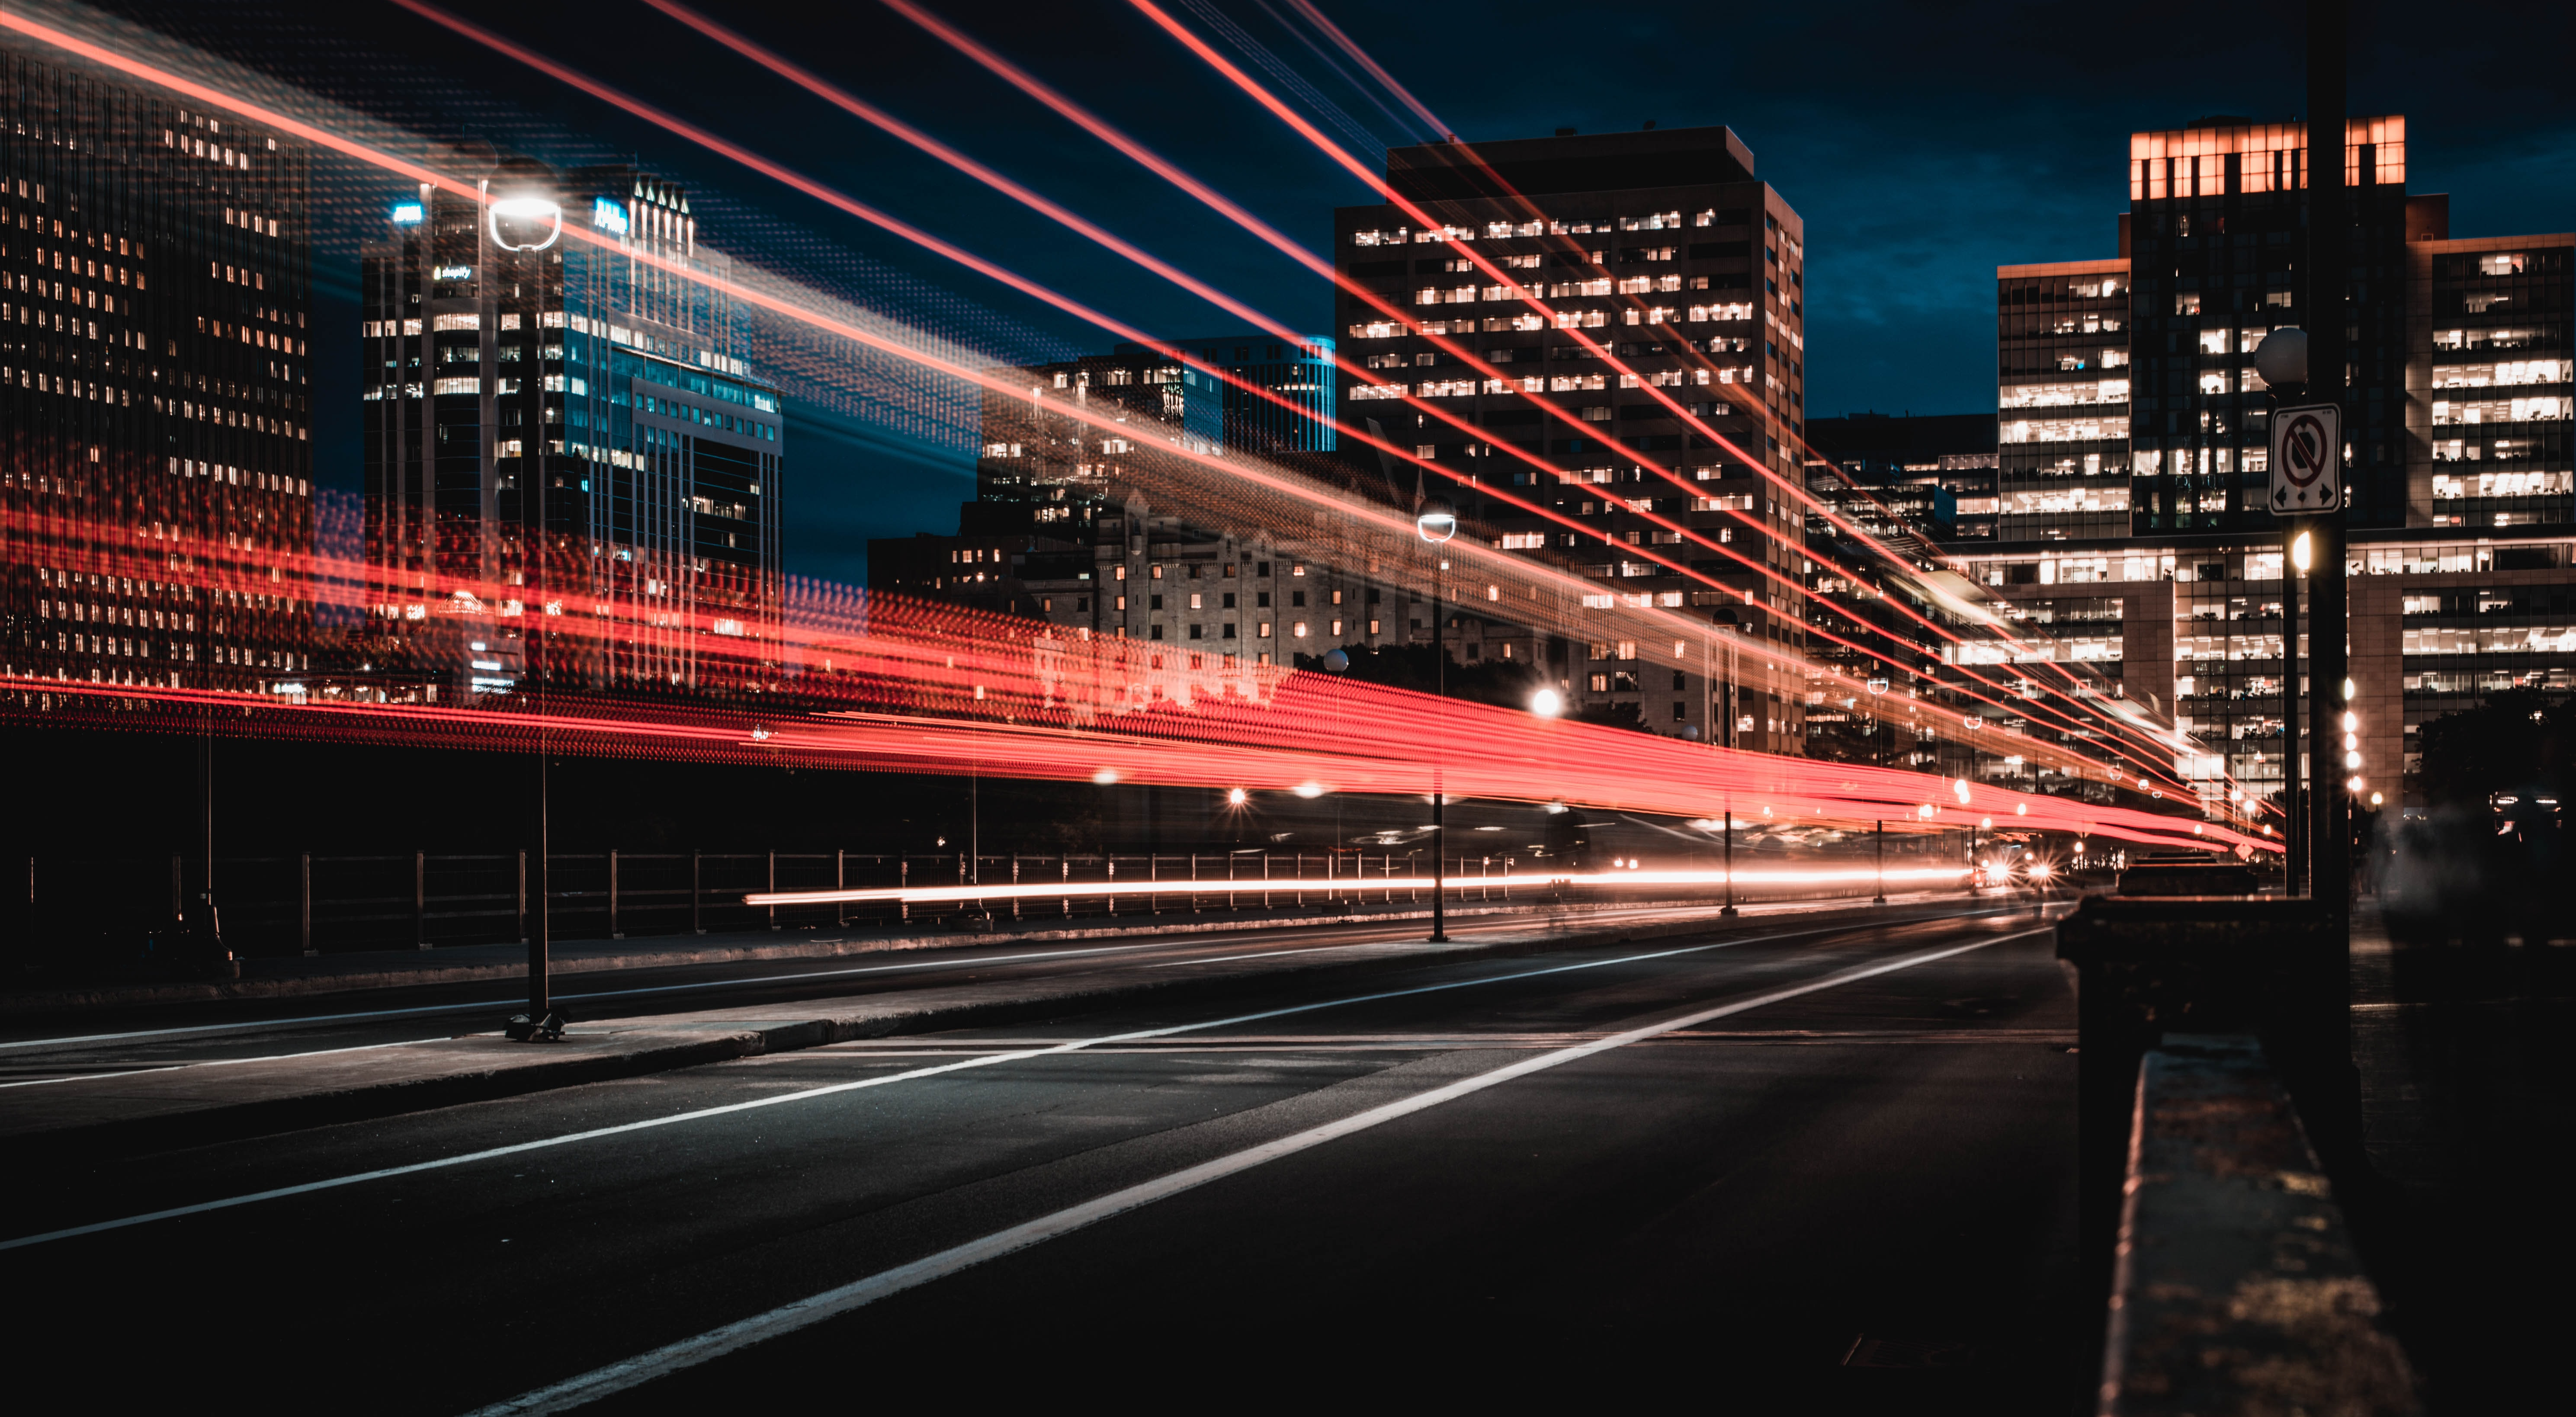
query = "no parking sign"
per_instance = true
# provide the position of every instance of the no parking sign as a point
(2307, 458)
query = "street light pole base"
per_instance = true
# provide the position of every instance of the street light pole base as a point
(548, 1029)
(1878, 900)
(1438, 938)
(1727, 913)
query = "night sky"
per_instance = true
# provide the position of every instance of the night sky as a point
(1923, 144)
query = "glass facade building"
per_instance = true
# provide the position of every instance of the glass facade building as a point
(2133, 467)
(501, 356)
(2062, 341)
(1664, 246)
(156, 495)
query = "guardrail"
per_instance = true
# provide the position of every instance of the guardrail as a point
(91, 912)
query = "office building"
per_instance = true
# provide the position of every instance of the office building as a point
(1664, 246)
(1059, 532)
(2062, 435)
(1899, 482)
(2133, 457)
(1891, 475)
(1038, 472)
(156, 495)
(559, 339)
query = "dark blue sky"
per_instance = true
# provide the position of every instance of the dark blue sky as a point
(1923, 144)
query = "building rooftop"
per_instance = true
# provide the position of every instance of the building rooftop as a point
(1599, 162)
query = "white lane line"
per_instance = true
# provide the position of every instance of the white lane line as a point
(93, 1077)
(1266, 954)
(690, 1352)
(832, 1089)
(261, 1025)
(228, 1063)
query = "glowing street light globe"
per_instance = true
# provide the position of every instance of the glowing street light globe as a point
(1547, 703)
(525, 223)
(1235, 797)
(1437, 521)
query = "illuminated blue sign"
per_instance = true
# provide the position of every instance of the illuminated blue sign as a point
(409, 214)
(608, 214)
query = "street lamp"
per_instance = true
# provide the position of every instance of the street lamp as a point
(2282, 360)
(2302, 554)
(1435, 520)
(1729, 909)
(1547, 703)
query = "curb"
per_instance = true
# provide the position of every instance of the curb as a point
(658, 1050)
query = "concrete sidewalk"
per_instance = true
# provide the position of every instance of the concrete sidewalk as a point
(298, 977)
(202, 1102)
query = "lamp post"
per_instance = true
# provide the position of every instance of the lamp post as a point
(2325, 272)
(1730, 856)
(542, 1023)
(2301, 551)
(1436, 521)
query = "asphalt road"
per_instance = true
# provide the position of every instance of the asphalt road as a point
(1787, 1170)
(105, 1042)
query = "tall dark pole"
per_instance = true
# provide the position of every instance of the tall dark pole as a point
(1730, 856)
(2326, 275)
(536, 665)
(2293, 823)
(1881, 897)
(209, 934)
(1439, 832)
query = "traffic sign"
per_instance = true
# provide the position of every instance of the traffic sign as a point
(2307, 458)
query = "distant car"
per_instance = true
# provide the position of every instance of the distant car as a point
(2014, 866)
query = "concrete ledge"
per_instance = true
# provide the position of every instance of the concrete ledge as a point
(2237, 1288)
(2202, 963)
(201, 1104)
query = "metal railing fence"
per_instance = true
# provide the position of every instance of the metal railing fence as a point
(115, 907)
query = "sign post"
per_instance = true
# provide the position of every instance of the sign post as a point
(2307, 459)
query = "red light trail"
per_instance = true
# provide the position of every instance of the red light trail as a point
(1789, 584)
(1143, 155)
(1393, 528)
(779, 173)
(1468, 356)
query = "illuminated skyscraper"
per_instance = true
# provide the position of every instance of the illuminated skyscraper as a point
(156, 501)
(1663, 246)
(2134, 450)
(541, 342)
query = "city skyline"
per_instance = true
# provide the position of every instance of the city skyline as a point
(1914, 219)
